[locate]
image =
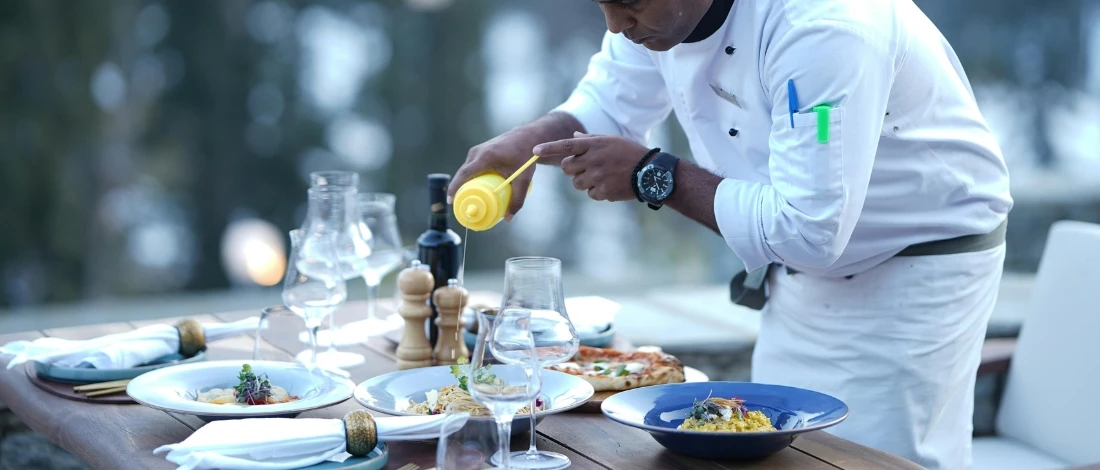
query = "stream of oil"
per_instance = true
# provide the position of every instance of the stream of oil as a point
(461, 280)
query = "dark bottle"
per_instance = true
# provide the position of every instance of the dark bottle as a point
(438, 246)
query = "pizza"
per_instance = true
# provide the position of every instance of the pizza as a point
(614, 370)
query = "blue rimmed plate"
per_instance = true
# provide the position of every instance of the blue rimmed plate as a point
(659, 409)
(89, 375)
(375, 460)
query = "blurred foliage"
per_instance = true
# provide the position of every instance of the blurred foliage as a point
(181, 144)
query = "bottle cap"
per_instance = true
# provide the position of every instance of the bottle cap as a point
(477, 207)
(438, 180)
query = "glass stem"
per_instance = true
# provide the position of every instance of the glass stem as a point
(313, 344)
(331, 332)
(504, 437)
(533, 450)
(372, 300)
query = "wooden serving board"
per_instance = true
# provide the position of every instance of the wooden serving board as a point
(65, 390)
(593, 404)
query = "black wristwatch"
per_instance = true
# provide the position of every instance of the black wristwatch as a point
(656, 180)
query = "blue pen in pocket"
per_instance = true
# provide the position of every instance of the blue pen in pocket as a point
(792, 100)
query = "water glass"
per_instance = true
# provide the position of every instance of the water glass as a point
(504, 389)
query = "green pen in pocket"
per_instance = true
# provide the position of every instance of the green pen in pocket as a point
(822, 122)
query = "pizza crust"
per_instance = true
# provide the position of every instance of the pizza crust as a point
(614, 370)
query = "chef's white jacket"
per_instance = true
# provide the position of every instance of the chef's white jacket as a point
(910, 158)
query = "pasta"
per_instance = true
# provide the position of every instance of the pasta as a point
(722, 415)
(454, 399)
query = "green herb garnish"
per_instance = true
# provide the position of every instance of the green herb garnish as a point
(711, 408)
(622, 372)
(252, 389)
(481, 375)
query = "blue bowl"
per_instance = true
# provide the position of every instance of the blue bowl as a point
(659, 409)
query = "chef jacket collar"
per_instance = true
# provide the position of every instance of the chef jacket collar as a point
(712, 21)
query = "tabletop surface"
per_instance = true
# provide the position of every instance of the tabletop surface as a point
(124, 436)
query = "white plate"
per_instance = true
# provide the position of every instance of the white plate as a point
(692, 374)
(391, 393)
(175, 388)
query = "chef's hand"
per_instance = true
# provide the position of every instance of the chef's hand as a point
(504, 155)
(599, 164)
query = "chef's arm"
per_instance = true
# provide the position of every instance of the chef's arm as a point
(806, 215)
(693, 195)
(622, 93)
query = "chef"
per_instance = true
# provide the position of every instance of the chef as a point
(837, 147)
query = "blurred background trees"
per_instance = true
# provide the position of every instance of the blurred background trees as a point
(155, 146)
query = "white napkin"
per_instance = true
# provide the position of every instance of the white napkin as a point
(284, 443)
(117, 351)
(591, 315)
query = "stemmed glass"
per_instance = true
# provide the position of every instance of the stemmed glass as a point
(333, 216)
(504, 389)
(313, 287)
(376, 211)
(534, 285)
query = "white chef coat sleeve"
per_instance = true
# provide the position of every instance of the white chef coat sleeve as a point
(622, 93)
(806, 215)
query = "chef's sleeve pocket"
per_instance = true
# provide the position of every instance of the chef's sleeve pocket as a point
(808, 159)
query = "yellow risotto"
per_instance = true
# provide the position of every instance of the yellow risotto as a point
(722, 415)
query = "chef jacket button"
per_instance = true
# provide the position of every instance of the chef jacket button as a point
(729, 50)
(734, 132)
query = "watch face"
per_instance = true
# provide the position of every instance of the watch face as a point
(656, 183)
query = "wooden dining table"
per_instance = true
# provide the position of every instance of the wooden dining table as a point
(123, 436)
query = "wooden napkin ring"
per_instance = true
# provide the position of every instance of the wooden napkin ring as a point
(192, 337)
(360, 432)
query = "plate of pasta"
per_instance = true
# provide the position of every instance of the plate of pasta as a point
(238, 389)
(724, 420)
(442, 389)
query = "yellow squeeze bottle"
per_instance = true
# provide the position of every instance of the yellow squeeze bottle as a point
(482, 202)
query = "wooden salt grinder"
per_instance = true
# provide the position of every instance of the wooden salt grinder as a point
(451, 345)
(415, 284)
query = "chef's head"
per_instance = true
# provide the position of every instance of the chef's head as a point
(657, 24)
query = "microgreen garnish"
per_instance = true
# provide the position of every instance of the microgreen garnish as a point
(481, 375)
(711, 408)
(252, 389)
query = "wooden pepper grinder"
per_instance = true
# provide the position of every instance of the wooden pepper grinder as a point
(415, 284)
(449, 301)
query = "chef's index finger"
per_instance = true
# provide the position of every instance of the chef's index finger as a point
(564, 148)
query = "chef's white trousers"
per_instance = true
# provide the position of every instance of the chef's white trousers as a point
(900, 344)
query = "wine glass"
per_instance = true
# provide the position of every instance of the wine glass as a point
(504, 389)
(334, 178)
(333, 215)
(534, 285)
(313, 287)
(376, 212)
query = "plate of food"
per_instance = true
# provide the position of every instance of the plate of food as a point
(611, 371)
(435, 390)
(236, 389)
(90, 374)
(725, 420)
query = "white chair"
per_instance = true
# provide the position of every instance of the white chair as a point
(1050, 409)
